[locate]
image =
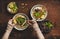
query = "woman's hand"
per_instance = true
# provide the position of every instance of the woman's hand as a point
(8, 30)
(33, 23)
(10, 25)
(36, 28)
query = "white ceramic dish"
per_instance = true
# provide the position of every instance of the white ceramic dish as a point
(40, 7)
(20, 27)
(10, 7)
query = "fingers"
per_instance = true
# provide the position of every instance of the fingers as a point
(10, 22)
(9, 27)
(30, 22)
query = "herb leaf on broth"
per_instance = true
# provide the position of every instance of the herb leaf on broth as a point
(38, 13)
(20, 20)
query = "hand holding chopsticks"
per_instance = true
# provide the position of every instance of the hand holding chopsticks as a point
(36, 28)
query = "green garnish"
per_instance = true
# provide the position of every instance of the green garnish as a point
(37, 14)
(20, 20)
(13, 7)
(48, 24)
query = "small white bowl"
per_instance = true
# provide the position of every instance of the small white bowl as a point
(9, 10)
(26, 19)
(33, 8)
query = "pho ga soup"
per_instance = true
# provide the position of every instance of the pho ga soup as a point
(20, 21)
(38, 12)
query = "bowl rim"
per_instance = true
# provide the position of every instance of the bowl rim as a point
(38, 6)
(23, 15)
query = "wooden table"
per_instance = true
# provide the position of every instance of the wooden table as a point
(53, 8)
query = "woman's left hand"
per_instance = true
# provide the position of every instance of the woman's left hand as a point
(10, 25)
(8, 30)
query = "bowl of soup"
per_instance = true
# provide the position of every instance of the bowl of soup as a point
(38, 12)
(20, 21)
(12, 7)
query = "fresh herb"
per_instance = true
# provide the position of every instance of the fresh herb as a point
(13, 7)
(20, 20)
(37, 14)
(48, 24)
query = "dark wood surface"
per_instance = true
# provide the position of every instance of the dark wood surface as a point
(53, 8)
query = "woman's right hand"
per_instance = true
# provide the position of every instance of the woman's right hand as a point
(33, 23)
(36, 28)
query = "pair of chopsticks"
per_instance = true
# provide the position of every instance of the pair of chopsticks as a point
(23, 23)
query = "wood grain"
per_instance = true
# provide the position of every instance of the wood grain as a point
(53, 8)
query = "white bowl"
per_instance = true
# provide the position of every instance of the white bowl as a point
(33, 8)
(9, 10)
(26, 19)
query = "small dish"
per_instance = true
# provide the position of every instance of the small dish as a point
(46, 26)
(38, 12)
(23, 24)
(12, 7)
